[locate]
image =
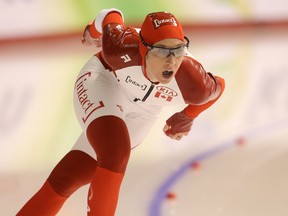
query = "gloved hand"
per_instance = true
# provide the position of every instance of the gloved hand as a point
(178, 125)
(91, 36)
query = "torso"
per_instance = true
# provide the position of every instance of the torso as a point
(120, 54)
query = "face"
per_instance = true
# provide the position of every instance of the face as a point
(163, 68)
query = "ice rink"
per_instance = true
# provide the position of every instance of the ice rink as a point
(234, 161)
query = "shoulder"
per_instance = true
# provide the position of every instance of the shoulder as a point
(190, 72)
(190, 64)
(120, 46)
(195, 83)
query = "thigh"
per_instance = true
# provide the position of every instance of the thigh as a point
(97, 93)
(82, 144)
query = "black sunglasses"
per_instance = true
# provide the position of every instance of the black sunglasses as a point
(164, 52)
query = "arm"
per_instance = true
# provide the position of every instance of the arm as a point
(120, 44)
(193, 110)
(200, 90)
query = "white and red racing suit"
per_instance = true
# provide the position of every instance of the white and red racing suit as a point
(113, 83)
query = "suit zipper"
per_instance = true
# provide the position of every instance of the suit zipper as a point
(149, 91)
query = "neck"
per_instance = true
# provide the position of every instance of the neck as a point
(144, 70)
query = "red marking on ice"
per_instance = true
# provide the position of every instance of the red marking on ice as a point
(171, 196)
(241, 141)
(196, 166)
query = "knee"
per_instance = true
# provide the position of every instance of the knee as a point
(75, 170)
(116, 161)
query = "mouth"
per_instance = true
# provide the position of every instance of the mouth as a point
(167, 74)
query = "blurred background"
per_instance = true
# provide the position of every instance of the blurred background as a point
(238, 148)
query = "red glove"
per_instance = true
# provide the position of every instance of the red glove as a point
(179, 123)
(91, 36)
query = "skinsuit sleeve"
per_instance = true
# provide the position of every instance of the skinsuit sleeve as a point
(118, 41)
(199, 89)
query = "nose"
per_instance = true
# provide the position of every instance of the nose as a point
(170, 59)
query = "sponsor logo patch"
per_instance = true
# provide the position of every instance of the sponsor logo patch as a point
(165, 93)
(85, 103)
(162, 22)
(130, 80)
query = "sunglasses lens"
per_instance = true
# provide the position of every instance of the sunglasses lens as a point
(165, 52)
(179, 51)
(160, 52)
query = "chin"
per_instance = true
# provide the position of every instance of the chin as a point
(165, 81)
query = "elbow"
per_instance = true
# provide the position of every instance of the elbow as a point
(208, 93)
(220, 87)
